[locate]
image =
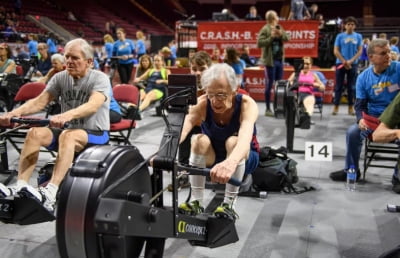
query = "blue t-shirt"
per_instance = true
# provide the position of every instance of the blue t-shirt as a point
(108, 47)
(140, 47)
(238, 67)
(173, 51)
(348, 45)
(51, 45)
(126, 47)
(114, 106)
(394, 48)
(32, 47)
(378, 89)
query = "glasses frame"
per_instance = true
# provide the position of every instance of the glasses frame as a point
(218, 96)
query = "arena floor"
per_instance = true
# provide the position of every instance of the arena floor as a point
(330, 222)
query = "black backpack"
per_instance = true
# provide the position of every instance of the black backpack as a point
(276, 172)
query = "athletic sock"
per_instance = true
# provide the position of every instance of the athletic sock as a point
(197, 183)
(231, 191)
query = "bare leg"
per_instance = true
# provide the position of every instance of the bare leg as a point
(231, 191)
(70, 141)
(36, 137)
(309, 103)
(150, 96)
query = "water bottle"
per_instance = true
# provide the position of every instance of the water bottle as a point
(351, 178)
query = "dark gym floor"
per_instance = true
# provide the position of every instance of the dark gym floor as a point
(329, 222)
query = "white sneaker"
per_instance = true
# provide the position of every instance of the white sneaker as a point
(30, 192)
(49, 199)
(6, 191)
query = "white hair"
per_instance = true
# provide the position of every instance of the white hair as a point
(215, 72)
(58, 57)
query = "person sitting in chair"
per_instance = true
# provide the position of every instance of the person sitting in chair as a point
(157, 80)
(227, 143)
(307, 82)
(57, 65)
(85, 101)
(387, 131)
(376, 87)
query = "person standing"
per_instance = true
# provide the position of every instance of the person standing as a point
(347, 49)
(124, 49)
(140, 44)
(270, 39)
(313, 11)
(32, 45)
(298, 10)
(51, 43)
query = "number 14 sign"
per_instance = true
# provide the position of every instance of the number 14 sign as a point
(318, 151)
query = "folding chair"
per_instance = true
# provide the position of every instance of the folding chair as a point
(121, 131)
(319, 101)
(26, 92)
(372, 149)
(319, 95)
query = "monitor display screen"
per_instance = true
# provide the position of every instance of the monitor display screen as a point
(217, 16)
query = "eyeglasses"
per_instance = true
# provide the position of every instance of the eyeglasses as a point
(218, 96)
(383, 53)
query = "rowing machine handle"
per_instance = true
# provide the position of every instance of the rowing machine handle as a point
(206, 172)
(34, 121)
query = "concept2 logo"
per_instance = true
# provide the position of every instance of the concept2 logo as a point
(184, 227)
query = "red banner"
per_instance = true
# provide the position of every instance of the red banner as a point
(303, 36)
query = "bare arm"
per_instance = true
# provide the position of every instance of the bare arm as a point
(357, 55)
(30, 107)
(291, 78)
(143, 77)
(318, 83)
(336, 52)
(249, 117)
(10, 67)
(224, 170)
(385, 134)
(34, 105)
(194, 117)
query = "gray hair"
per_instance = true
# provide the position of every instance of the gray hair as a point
(376, 43)
(215, 72)
(58, 57)
(86, 48)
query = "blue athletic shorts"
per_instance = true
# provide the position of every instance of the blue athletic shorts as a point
(252, 162)
(94, 138)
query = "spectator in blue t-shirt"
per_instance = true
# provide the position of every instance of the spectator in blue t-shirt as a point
(51, 43)
(393, 44)
(347, 49)
(172, 47)
(125, 50)
(32, 45)
(140, 44)
(108, 49)
(238, 65)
